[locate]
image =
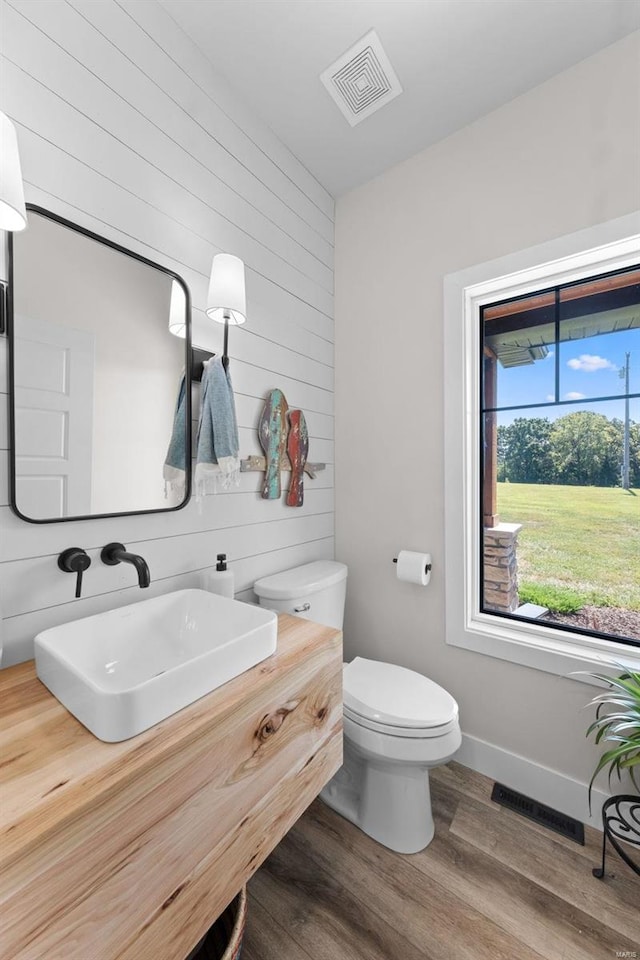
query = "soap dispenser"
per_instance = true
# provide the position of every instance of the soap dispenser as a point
(220, 580)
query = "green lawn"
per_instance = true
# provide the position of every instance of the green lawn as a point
(586, 539)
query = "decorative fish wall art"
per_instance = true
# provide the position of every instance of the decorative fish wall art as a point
(284, 437)
(298, 449)
(272, 433)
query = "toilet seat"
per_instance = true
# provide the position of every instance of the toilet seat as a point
(395, 701)
(417, 733)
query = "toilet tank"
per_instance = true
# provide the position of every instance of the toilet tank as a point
(315, 591)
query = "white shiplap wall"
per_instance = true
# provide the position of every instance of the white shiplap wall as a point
(125, 128)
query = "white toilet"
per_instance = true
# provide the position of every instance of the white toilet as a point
(397, 723)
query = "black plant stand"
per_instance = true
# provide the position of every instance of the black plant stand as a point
(620, 821)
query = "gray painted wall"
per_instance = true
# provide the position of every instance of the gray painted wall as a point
(558, 159)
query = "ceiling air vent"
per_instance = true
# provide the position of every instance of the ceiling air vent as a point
(362, 80)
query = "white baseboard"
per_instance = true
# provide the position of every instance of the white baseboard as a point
(548, 786)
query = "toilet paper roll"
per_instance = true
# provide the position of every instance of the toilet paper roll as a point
(414, 567)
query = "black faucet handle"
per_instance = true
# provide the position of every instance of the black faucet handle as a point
(75, 560)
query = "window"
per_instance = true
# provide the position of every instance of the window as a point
(536, 434)
(560, 456)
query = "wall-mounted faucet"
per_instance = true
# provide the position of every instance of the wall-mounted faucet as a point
(75, 560)
(115, 553)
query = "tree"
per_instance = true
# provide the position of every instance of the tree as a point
(634, 454)
(582, 448)
(503, 448)
(525, 446)
(634, 449)
(586, 450)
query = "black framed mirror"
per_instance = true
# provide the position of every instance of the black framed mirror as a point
(100, 386)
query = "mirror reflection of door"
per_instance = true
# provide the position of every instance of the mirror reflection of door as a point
(53, 383)
(96, 375)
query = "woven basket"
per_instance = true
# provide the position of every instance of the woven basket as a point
(223, 941)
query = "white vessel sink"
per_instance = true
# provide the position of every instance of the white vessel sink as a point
(122, 671)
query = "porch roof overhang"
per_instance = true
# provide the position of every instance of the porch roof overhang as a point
(515, 348)
(520, 331)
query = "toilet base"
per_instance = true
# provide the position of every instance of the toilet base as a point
(390, 802)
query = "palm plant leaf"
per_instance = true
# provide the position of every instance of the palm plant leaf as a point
(617, 722)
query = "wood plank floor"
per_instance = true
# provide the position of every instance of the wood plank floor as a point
(490, 886)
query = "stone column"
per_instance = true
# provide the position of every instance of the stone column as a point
(501, 567)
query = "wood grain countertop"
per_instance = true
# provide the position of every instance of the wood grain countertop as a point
(132, 849)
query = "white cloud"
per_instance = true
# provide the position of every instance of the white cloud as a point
(574, 395)
(589, 363)
(550, 397)
(550, 355)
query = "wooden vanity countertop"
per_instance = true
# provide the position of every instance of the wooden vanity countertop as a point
(130, 850)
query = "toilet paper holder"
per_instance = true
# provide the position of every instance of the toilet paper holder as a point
(427, 566)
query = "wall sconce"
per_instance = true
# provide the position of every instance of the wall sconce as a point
(226, 303)
(177, 311)
(226, 300)
(13, 215)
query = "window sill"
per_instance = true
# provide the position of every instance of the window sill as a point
(541, 648)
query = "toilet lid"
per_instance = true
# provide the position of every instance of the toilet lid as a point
(301, 581)
(395, 696)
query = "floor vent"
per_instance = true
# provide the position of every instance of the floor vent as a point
(547, 816)
(362, 80)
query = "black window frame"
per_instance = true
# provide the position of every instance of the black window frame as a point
(555, 289)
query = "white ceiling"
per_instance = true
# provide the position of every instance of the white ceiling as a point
(456, 59)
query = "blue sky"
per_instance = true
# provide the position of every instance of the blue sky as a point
(588, 368)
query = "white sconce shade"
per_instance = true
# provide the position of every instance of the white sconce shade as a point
(226, 301)
(13, 215)
(178, 311)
